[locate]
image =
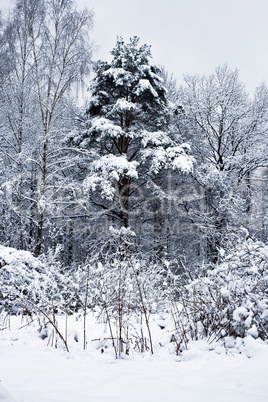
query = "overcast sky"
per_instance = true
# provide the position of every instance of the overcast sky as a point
(188, 36)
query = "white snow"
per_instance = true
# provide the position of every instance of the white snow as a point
(106, 170)
(120, 75)
(16, 258)
(111, 165)
(107, 128)
(156, 138)
(5, 396)
(143, 86)
(225, 292)
(31, 371)
(122, 105)
(240, 313)
(174, 157)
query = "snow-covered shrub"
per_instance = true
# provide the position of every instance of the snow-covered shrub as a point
(38, 288)
(61, 287)
(232, 298)
(22, 277)
(29, 284)
(123, 290)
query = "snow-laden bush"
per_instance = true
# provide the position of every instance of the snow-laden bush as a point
(29, 284)
(123, 289)
(61, 289)
(22, 277)
(231, 299)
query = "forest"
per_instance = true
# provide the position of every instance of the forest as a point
(145, 196)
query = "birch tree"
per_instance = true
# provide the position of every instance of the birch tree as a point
(61, 58)
(47, 53)
(17, 109)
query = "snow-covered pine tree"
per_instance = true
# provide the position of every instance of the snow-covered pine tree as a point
(127, 129)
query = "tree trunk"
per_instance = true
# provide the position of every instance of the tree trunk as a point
(124, 194)
(41, 199)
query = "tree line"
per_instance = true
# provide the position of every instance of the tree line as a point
(183, 166)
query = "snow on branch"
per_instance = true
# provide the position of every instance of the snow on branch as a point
(122, 105)
(143, 86)
(156, 138)
(107, 170)
(174, 157)
(106, 128)
(119, 75)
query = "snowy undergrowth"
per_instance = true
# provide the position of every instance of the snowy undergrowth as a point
(98, 341)
(192, 357)
(229, 300)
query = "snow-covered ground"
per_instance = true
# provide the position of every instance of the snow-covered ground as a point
(31, 371)
(5, 396)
